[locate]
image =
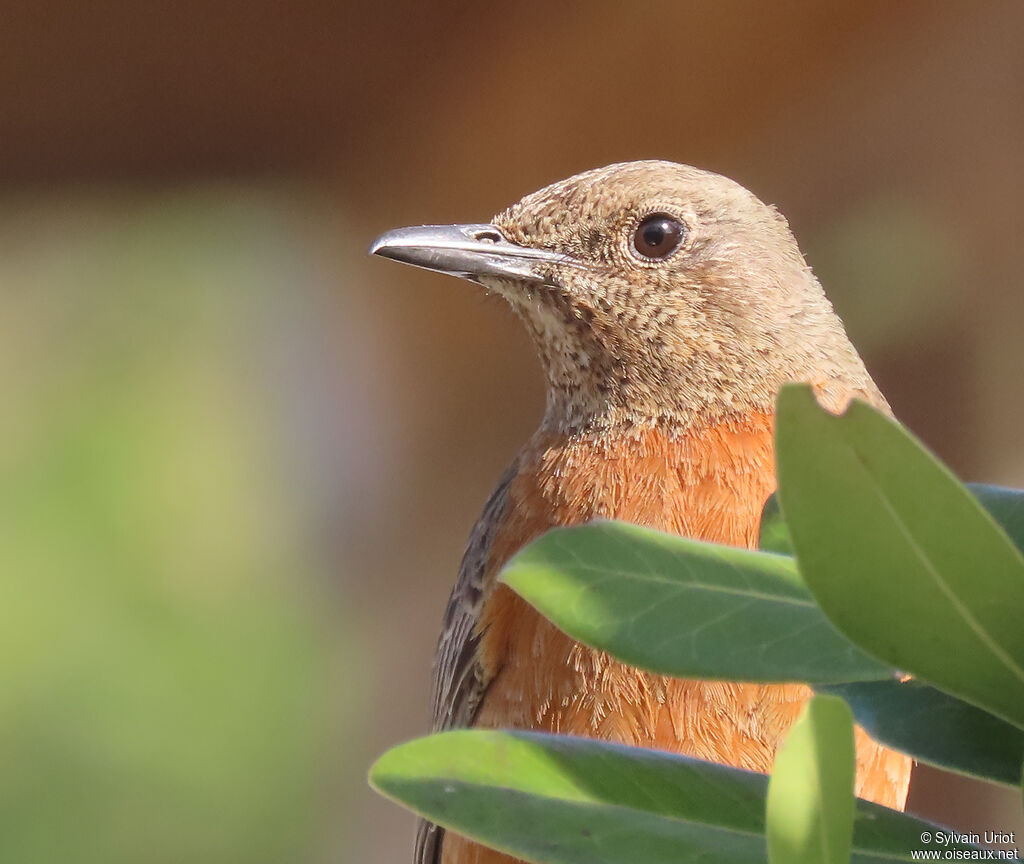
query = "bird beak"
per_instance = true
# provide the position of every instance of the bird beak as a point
(468, 251)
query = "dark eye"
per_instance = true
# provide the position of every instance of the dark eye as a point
(658, 236)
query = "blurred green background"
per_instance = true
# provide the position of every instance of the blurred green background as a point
(239, 460)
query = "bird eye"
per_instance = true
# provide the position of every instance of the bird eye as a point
(658, 236)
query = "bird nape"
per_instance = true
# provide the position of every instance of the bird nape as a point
(667, 306)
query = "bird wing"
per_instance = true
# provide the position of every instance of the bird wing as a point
(459, 680)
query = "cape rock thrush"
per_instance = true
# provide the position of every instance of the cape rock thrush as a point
(667, 305)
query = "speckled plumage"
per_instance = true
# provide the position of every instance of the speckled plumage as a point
(711, 332)
(661, 384)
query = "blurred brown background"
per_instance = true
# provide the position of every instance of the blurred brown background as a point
(239, 460)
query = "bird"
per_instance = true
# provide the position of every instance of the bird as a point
(667, 305)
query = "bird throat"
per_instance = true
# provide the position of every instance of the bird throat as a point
(600, 375)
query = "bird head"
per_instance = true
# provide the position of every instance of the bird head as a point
(655, 293)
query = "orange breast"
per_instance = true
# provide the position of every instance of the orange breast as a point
(709, 486)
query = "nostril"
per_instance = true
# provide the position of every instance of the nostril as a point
(487, 235)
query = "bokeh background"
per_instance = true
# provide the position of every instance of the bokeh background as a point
(239, 460)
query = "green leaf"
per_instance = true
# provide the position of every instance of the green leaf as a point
(937, 728)
(810, 797)
(562, 800)
(900, 556)
(1003, 504)
(685, 608)
(773, 535)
